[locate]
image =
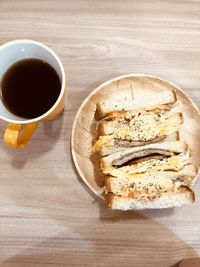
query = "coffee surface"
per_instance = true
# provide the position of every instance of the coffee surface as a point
(30, 87)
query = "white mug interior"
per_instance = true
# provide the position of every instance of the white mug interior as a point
(23, 49)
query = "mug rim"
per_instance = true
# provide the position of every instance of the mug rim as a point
(63, 82)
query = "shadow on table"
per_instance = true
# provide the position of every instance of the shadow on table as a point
(116, 238)
(64, 225)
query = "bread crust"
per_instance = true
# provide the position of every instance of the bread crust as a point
(102, 109)
(185, 196)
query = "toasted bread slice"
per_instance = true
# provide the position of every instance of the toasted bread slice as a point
(120, 158)
(151, 183)
(108, 106)
(183, 196)
(146, 130)
(141, 121)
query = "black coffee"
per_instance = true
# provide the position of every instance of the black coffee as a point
(30, 87)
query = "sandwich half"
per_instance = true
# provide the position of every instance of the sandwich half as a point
(143, 130)
(128, 155)
(152, 183)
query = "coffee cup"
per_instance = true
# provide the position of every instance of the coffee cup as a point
(20, 129)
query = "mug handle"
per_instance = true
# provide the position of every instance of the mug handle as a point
(17, 137)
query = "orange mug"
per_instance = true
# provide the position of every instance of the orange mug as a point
(20, 130)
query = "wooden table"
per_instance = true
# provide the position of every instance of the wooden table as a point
(48, 217)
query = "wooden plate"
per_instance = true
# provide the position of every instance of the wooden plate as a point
(127, 86)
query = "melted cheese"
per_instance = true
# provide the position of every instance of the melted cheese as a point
(134, 175)
(175, 161)
(96, 147)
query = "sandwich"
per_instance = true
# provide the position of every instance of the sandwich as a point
(151, 183)
(127, 155)
(146, 128)
(154, 163)
(144, 162)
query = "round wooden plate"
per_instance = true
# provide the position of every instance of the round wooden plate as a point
(126, 87)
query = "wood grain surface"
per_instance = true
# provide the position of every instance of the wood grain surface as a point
(48, 217)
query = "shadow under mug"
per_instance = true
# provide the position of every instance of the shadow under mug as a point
(20, 130)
